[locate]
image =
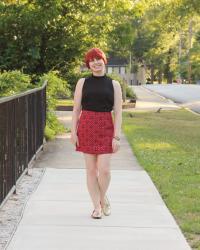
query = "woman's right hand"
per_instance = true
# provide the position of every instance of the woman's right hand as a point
(74, 139)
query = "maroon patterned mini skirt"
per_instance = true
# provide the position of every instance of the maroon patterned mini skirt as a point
(95, 131)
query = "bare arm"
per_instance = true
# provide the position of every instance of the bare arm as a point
(77, 105)
(117, 108)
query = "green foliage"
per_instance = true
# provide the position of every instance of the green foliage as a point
(56, 87)
(75, 76)
(195, 58)
(53, 126)
(40, 36)
(150, 31)
(12, 82)
(130, 93)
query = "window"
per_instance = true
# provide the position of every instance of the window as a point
(116, 70)
(122, 70)
(109, 70)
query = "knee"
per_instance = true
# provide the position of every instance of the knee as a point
(104, 172)
(92, 172)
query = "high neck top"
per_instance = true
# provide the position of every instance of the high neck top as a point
(98, 94)
(103, 76)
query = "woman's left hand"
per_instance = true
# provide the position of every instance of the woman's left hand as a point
(115, 145)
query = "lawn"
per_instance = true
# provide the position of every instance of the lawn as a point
(62, 102)
(167, 145)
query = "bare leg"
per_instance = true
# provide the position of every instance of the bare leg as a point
(103, 165)
(92, 181)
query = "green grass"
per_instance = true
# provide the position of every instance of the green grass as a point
(167, 145)
(53, 127)
(65, 102)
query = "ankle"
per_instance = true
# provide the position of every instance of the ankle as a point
(98, 208)
(102, 202)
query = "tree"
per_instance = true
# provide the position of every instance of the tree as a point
(151, 33)
(37, 36)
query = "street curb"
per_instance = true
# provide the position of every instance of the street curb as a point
(163, 97)
(176, 103)
(195, 113)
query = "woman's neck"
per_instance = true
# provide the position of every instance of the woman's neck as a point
(101, 73)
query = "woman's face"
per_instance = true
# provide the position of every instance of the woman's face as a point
(97, 65)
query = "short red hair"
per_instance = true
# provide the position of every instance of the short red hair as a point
(94, 53)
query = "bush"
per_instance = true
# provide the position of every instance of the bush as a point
(73, 78)
(130, 93)
(56, 87)
(13, 82)
(53, 126)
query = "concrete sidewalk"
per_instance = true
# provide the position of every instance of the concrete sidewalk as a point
(57, 215)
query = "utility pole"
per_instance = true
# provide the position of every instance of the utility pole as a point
(130, 66)
(189, 48)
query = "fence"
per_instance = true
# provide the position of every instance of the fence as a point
(22, 123)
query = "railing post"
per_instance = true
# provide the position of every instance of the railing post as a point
(26, 129)
(15, 103)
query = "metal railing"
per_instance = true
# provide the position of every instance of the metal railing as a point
(22, 123)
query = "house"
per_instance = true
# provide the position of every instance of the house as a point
(120, 67)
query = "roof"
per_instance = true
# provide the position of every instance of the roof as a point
(117, 61)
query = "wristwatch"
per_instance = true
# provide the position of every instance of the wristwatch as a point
(116, 138)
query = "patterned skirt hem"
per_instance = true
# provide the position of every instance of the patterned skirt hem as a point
(94, 152)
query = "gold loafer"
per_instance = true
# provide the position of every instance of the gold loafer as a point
(106, 208)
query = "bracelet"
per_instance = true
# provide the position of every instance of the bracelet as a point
(116, 138)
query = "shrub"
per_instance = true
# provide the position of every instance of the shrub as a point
(130, 93)
(73, 78)
(13, 82)
(53, 126)
(56, 87)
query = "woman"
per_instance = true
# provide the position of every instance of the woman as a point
(93, 131)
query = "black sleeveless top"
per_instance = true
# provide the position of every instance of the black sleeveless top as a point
(98, 94)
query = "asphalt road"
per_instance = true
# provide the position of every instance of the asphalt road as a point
(185, 95)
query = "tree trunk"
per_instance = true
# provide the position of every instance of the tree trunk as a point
(160, 76)
(169, 78)
(168, 73)
(152, 73)
(40, 68)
